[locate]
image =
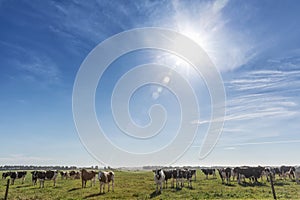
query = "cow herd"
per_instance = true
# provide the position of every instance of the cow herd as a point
(42, 175)
(177, 177)
(240, 174)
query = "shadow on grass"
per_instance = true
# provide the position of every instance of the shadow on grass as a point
(23, 186)
(93, 195)
(154, 194)
(280, 183)
(229, 184)
(246, 184)
(73, 189)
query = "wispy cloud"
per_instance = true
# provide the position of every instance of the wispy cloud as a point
(207, 24)
(33, 66)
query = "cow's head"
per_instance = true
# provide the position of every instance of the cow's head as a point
(157, 173)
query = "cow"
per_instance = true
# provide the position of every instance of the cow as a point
(188, 174)
(159, 178)
(106, 178)
(74, 174)
(34, 177)
(5, 174)
(194, 173)
(233, 174)
(44, 175)
(64, 175)
(17, 175)
(287, 171)
(168, 175)
(297, 174)
(253, 173)
(86, 176)
(225, 174)
(269, 172)
(208, 171)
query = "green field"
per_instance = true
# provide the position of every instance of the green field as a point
(140, 185)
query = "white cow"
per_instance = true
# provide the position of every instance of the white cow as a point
(159, 178)
(297, 174)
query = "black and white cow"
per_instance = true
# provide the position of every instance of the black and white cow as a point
(17, 175)
(44, 175)
(269, 172)
(64, 175)
(209, 171)
(168, 175)
(159, 178)
(287, 171)
(225, 174)
(5, 174)
(106, 178)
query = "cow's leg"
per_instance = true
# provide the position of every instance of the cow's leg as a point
(156, 188)
(54, 182)
(108, 185)
(113, 185)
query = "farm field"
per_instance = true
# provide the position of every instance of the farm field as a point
(140, 185)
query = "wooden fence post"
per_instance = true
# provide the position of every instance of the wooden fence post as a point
(6, 191)
(272, 186)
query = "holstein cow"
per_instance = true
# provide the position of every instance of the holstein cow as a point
(44, 175)
(225, 174)
(5, 174)
(287, 171)
(106, 178)
(297, 174)
(269, 171)
(64, 175)
(168, 175)
(253, 173)
(188, 174)
(208, 171)
(86, 176)
(74, 174)
(159, 178)
(17, 175)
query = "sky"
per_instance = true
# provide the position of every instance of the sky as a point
(254, 45)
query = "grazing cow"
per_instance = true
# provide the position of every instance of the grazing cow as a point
(44, 175)
(64, 175)
(5, 174)
(253, 173)
(106, 178)
(297, 174)
(159, 178)
(86, 176)
(225, 173)
(17, 175)
(287, 171)
(208, 171)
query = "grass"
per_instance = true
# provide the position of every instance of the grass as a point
(140, 185)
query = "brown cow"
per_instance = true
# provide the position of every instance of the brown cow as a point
(86, 176)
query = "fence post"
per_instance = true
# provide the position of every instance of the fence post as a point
(272, 186)
(6, 191)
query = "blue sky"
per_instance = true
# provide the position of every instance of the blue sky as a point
(254, 44)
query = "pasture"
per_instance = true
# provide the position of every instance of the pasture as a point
(140, 185)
